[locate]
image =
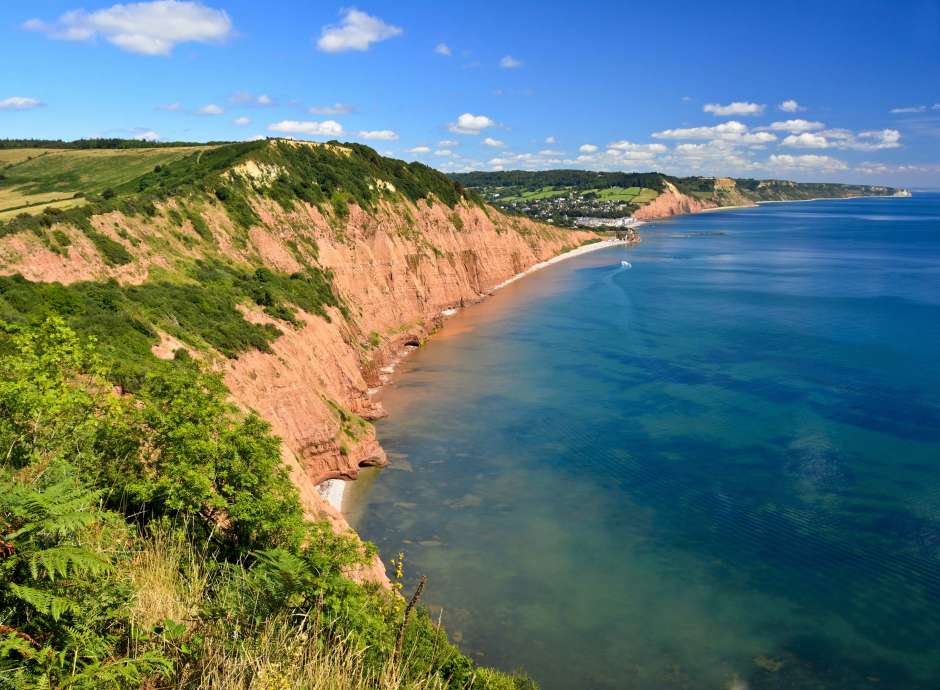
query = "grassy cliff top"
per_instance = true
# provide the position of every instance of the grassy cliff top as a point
(43, 175)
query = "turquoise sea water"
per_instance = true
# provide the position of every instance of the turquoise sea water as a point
(719, 468)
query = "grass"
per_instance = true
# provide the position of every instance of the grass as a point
(31, 179)
(13, 156)
(174, 582)
(52, 200)
(633, 195)
(537, 194)
(200, 308)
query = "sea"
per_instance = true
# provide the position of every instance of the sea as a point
(718, 467)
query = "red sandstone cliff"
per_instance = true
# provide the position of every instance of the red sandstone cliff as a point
(396, 269)
(671, 202)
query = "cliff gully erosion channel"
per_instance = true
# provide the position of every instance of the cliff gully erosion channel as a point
(717, 469)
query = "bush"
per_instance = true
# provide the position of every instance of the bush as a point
(156, 541)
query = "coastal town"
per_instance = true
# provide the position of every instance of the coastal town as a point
(602, 208)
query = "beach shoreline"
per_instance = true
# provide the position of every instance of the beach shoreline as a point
(333, 491)
(570, 254)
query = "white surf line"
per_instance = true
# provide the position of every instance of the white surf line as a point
(584, 249)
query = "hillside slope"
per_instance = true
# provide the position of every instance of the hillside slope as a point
(299, 270)
(573, 198)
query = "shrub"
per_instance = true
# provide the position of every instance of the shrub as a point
(172, 552)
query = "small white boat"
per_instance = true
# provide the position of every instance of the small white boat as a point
(626, 264)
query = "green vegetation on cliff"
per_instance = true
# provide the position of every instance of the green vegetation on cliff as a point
(157, 541)
(149, 534)
(200, 309)
(99, 180)
(197, 300)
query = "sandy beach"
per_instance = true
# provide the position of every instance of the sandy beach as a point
(584, 249)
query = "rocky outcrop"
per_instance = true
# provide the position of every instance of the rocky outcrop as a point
(671, 202)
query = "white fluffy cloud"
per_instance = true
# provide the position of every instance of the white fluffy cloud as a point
(448, 143)
(806, 140)
(735, 108)
(731, 131)
(791, 106)
(527, 161)
(335, 109)
(879, 139)
(147, 28)
(146, 135)
(796, 126)
(495, 143)
(443, 49)
(509, 62)
(785, 161)
(210, 109)
(630, 147)
(711, 157)
(420, 149)
(444, 153)
(874, 140)
(551, 140)
(908, 109)
(587, 148)
(241, 121)
(327, 128)
(379, 135)
(471, 124)
(19, 103)
(357, 31)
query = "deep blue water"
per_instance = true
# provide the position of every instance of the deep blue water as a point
(719, 468)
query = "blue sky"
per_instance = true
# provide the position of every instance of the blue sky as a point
(824, 91)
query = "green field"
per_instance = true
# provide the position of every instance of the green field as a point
(632, 195)
(537, 194)
(32, 179)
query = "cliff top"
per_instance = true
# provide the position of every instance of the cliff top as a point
(50, 178)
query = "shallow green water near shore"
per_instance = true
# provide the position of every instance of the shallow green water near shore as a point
(719, 468)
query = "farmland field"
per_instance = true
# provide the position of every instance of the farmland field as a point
(633, 195)
(32, 179)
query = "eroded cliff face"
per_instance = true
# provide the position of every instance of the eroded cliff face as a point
(396, 269)
(671, 202)
(396, 273)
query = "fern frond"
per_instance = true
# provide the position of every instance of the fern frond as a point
(60, 560)
(119, 672)
(12, 643)
(43, 602)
